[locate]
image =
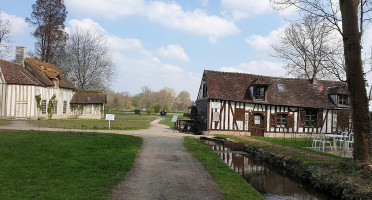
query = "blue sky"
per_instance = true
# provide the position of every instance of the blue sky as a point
(169, 43)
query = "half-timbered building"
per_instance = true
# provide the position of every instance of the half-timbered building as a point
(31, 89)
(269, 106)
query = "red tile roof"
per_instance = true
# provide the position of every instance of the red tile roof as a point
(297, 92)
(16, 74)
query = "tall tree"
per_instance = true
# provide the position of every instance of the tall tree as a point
(183, 101)
(311, 50)
(87, 60)
(48, 16)
(353, 15)
(5, 31)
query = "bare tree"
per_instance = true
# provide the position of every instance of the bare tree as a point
(87, 60)
(310, 49)
(183, 101)
(354, 15)
(48, 16)
(5, 37)
(118, 100)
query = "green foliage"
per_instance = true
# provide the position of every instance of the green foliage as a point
(233, 185)
(137, 112)
(157, 109)
(149, 111)
(38, 102)
(50, 106)
(53, 165)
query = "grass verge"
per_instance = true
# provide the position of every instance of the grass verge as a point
(297, 145)
(233, 186)
(53, 165)
(121, 122)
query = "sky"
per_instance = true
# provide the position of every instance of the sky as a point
(169, 43)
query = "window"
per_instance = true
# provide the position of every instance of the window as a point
(281, 120)
(64, 107)
(55, 103)
(309, 117)
(280, 87)
(204, 90)
(43, 107)
(342, 99)
(88, 109)
(260, 93)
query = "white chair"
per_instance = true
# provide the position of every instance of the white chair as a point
(350, 141)
(316, 139)
(342, 140)
(324, 141)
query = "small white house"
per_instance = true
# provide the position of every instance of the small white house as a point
(31, 89)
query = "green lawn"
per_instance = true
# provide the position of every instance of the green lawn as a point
(297, 143)
(290, 143)
(121, 122)
(233, 186)
(52, 165)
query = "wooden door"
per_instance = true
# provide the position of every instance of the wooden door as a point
(258, 127)
(21, 110)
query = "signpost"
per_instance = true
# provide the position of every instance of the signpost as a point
(110, 117)
(174, 118)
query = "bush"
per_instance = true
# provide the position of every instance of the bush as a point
(137, 112)
(149, 111)
(157, 109)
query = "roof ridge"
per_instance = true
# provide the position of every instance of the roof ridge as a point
(10, 62)
(265, 76)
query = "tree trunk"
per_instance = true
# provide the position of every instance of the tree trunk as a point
(355, 79)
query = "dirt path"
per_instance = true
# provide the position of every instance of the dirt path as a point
(164, 169)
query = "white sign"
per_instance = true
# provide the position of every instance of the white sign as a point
(257, 119)
(216, 105)
(110, 117)
(216, 116)
(174, 118)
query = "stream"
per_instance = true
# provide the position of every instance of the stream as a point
(273, 184)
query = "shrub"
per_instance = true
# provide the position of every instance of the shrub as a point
(157, 109)
(149, 111)
(137, 112)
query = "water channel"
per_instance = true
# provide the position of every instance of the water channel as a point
(271, 183)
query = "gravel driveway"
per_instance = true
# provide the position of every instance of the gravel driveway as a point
(164, 169)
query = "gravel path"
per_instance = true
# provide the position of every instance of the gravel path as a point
(164, 169)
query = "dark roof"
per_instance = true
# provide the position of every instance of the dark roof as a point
(297, 92)
(46, 72)
(16, 74)
(89, 97)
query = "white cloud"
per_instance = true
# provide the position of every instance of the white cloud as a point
(197, 22)
(170, 15)
(125, 44)
(240, 9)
(173, 51)
(261, 67)
(85, 24)
(149, 70)
(111, 9)
(263, 43)
(19, 26)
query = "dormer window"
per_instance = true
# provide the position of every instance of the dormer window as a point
(259, 93)
(280, 87)
(342, 100)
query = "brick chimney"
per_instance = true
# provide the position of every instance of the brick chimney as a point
(20, 55)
